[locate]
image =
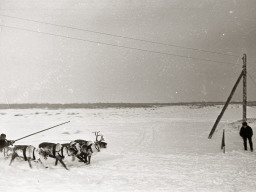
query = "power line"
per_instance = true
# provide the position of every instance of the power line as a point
(120, 36)
(120, 46)
(132, 48)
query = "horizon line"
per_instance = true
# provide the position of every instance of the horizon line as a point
(111, 105)
(83, 103)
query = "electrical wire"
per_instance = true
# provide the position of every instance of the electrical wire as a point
(113, 45)
(120, 36)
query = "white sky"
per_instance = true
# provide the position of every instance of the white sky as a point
(43, 68)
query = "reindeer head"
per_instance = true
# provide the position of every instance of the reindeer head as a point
(100, 141)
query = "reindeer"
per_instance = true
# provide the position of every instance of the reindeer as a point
(100, 142)
(68, 150)
(81, 149)
(84, 149)
(53, 150)
(88, 149)
(28, 153)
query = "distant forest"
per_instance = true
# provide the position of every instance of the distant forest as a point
(111, 105)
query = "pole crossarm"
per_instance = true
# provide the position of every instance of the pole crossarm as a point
(225, 106)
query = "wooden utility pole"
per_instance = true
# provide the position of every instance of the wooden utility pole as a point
(244, 75)
(244, 87)
(226, 105)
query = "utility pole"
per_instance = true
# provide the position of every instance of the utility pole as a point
(225, 106)
(244, 76)
(244, 87)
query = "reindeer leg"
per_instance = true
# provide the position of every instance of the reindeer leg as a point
(29, 162)
(56, 162)
(84, 156)
(60, 159)
(80, 156)
(14, 155)
(5, 152)
(42, 163)
(89, 160)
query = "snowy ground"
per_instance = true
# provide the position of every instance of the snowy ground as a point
(149, 149)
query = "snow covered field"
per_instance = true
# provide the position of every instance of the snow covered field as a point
(149, 149)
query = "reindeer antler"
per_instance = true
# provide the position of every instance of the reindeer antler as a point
(96, 134)
(102, 138)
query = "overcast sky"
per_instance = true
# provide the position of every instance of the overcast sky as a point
(37, 67)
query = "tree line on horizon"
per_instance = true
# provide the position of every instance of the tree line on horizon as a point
(109, 105)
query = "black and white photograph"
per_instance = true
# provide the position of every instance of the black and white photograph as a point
(127, 95)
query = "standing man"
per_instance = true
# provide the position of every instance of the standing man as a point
(246, 133)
